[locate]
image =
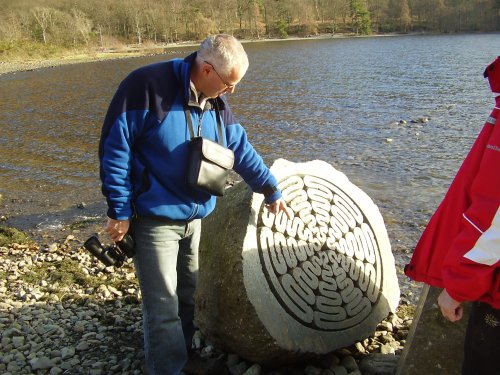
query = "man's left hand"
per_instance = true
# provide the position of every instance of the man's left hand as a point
(450, 308)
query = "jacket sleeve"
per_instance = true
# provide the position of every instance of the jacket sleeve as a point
(115, 150)
(470, 269)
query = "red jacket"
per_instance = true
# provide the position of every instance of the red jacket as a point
(460, 248)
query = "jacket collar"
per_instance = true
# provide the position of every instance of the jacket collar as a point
(189, 96)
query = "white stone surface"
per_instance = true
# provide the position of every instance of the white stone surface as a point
(326, 277)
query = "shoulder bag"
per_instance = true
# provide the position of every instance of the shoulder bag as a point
(209, 162)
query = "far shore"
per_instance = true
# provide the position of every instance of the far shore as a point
(19, 65)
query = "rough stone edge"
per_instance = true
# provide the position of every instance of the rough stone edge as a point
(231, 323)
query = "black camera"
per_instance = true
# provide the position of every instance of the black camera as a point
(111, 255)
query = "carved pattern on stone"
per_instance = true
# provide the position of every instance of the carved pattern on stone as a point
(323, 265)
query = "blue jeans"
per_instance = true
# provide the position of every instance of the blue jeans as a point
(166, 263)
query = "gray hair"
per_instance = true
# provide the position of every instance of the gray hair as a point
(224, 51)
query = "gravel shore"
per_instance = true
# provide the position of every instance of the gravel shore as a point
(15, 66)
(62, 312)
(19, 65)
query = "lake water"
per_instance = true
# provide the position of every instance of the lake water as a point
(338, 100)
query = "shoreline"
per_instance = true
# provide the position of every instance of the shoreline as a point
(130, 51)
(147, 49)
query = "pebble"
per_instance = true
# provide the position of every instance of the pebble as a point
(255, 369)
(238, 369)
(232, 359)
(57, 327)
(349, 363)
(312, 370)
(339, 370)
(42, 363)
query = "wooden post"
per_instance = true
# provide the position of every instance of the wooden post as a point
(434, 345)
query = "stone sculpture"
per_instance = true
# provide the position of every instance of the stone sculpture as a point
(273, 289)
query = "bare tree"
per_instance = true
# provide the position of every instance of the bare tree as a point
(254, 19)
(74, 21)
(10, 27)
(404, 16)
(378, 11)
(43, 18)
(82, 24)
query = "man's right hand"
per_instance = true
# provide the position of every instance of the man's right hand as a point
(117, 229)
(277, 206)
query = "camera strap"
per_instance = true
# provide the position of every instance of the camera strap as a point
(189, 120)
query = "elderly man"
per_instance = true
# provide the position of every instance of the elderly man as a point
(143, 153)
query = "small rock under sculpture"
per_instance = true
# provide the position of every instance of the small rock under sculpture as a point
(273, 289)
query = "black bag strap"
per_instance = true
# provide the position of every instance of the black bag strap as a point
(219, 122)
(187, 113)
(191, 128)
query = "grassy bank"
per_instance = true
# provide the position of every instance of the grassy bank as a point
(12, 235)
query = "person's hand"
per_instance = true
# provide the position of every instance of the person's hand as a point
(277, 206)
(117, 229)
(450, 308)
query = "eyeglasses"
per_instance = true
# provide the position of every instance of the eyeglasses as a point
(228, 86)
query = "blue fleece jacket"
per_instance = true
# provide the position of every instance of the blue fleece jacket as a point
(144, 144)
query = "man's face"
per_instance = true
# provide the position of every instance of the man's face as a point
(218, 84)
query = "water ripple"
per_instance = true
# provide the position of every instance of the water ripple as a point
(339, 100)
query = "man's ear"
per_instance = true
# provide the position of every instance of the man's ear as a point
(205, 68)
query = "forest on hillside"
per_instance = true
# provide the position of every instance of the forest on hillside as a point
(106, 24)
